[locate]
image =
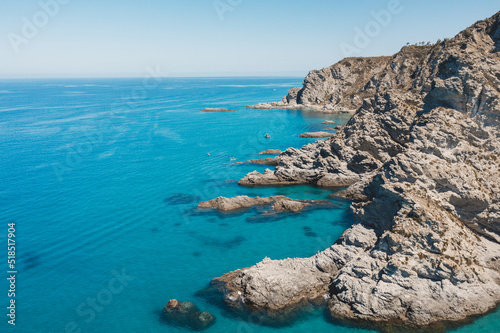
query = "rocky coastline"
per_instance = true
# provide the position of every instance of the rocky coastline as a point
(420, 160)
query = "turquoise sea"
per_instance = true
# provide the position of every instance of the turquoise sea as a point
(102, 177)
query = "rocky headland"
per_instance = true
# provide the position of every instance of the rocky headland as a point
(420, 159)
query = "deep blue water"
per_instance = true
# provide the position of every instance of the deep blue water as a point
(102, 178)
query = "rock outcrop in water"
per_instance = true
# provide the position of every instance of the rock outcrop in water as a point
(279, 203)
(186, 314)
(263, 161)
(270, 152)
(421, 159)
(316, 135)
(217, 110)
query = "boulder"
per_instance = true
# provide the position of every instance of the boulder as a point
(186, 314)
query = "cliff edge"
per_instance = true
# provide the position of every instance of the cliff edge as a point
(421, 161)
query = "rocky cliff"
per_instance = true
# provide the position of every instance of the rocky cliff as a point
(421, 161)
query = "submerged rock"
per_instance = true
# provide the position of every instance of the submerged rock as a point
(421, 157)
(186, 314)
(180, 199)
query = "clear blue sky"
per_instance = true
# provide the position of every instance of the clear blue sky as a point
(121, 38)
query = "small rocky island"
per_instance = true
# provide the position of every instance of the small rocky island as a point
(187, 314)
(217, 110)
(271, 152)
(316, 135)
(421, 162)
(278, 203)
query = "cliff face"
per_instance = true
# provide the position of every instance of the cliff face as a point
(452, 73)
(421, 157)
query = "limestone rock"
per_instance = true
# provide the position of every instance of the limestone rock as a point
(289, 206)
(421, 159)
(186, 314)
(238, 202)
(270, 152)
(316, 135)
(280, 203)
(263, 161)
(217, 110)
(268, 178)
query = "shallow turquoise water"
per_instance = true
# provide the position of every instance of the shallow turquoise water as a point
(102, 177)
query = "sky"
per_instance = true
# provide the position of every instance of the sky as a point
(126, 38)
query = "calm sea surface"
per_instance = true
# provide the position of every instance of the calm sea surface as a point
(102, 178)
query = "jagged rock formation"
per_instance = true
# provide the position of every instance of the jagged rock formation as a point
(279, 203)
(421, 159)
(263, 161)
(186, 314)
(333, 89)
(217, 110)
(271, 152)
(316, 135)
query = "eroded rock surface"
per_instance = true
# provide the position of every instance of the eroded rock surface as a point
(279, 203)
(217, 110)
(421, 159)
(263, 161)
(186, 314)
(316, 135)
(271, 152)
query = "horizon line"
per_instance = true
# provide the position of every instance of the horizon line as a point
(141, 77)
